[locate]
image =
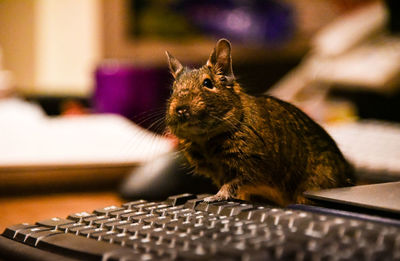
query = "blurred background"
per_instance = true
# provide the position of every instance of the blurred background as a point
(53, 48)
(339, 60)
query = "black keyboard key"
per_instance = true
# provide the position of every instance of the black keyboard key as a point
(125, 239)
(23, 234)
(156, 221)
(124, 254)
(231, 253)
(77, 229)
(252, 213)
(370, 236)
(179, 212)
(91, 220)
(78, 217)
(203, 206)
(124, 227)
(88, 232)
(111, 238)
(135, 230)
(318, 229)
(101, 222)
(179, 199)
(114, 224)
(382, 254)
(12, 231)
(141, 218)
(164, 211)
(191, 204)
(128, 205)
(34, 238)
(81, 247)
(288, 251)
(55, 222)
(301, 222)
(144, 206)
(235, 210)
(258, 255)
(131, 241)
(198, 253)
(156, 208)
(66, 228)
(130, 215)
(118, 213)
(270, 216)
(216, 208)
(389, 240)
(161, 221)
(98, 235)
(105, 211)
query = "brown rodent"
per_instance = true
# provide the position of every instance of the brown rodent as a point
(249, 146)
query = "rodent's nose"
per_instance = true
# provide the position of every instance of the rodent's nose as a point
(182, 112)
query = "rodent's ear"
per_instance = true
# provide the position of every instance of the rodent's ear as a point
(220, 59)
(174, 65)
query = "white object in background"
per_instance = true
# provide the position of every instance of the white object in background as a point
(37, 150)
(52, 47)
(372, 146)
(68, 45)
(30, 139)
(14, 111)
(6, 79)
(350, 30)
(373, 65)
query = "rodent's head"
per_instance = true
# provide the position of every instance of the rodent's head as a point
(205, 101)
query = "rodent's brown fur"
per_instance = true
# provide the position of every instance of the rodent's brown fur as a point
(249, 145)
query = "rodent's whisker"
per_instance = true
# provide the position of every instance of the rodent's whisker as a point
(149, 119)
(148, 115)
(148, 112)
(158, 125)
(156, 116)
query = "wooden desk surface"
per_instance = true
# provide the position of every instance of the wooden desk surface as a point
(30, 209)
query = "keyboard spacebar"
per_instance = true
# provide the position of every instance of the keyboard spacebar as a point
(76, 246)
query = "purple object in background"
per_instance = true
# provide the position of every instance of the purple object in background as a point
(261, 21)
(134, 91)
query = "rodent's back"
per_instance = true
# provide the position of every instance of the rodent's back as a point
(301, 146)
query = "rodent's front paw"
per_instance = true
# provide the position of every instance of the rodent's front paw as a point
(222, 194)
(216, 197)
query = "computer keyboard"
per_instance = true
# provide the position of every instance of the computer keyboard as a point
(183, 227)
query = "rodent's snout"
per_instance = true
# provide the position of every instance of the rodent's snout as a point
(182, 112)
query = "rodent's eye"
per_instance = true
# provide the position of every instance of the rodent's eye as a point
(207, 83)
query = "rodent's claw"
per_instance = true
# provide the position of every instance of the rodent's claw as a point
(222, 194)
(216, 197)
